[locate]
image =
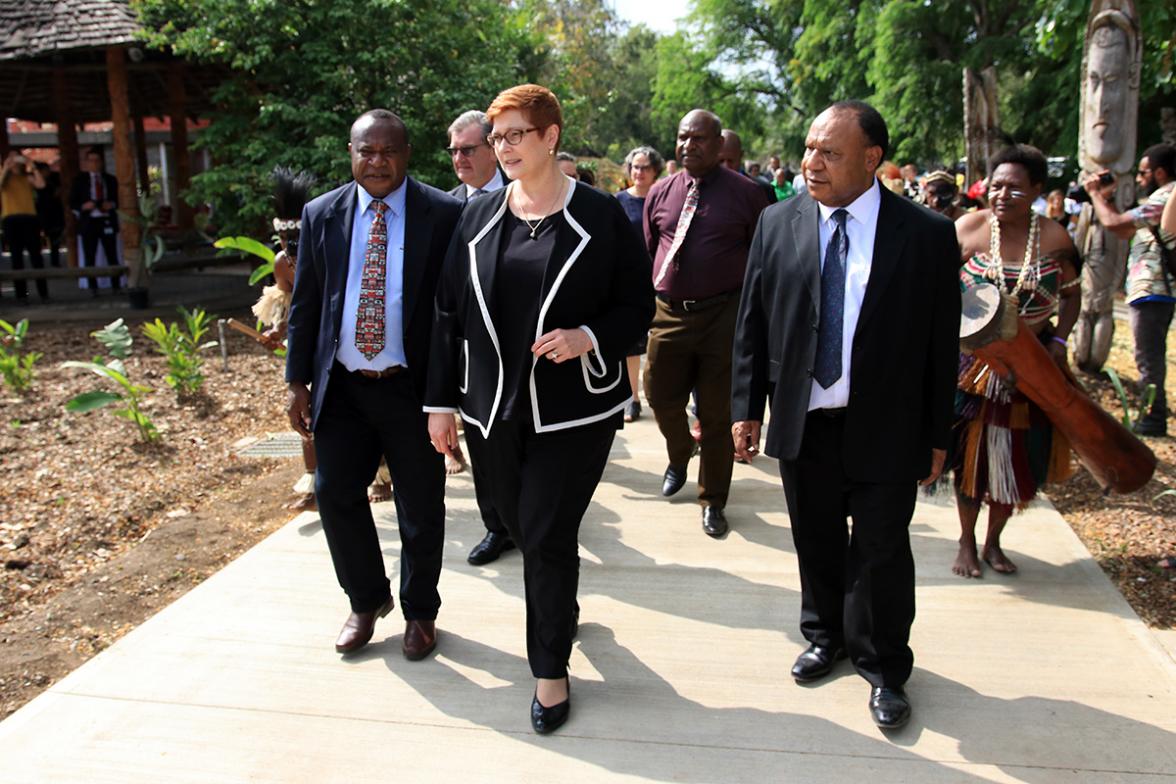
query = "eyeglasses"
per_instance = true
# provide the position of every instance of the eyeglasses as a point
(637, 167)
(511, 137)
(466, 152)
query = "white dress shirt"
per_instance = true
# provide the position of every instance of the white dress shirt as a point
(861, 225)
(393, 353)
(494, 184)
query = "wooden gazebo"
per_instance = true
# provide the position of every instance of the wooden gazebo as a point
(77, 61)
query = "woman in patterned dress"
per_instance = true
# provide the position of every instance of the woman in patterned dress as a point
(1005, 447)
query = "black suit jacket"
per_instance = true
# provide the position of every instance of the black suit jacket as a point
(598, 277)
(320, 281)
(79, 194)
(905, 350)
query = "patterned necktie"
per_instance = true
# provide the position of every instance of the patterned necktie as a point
(828, 364)
(689, 207)
(99, 191)
(369, 318)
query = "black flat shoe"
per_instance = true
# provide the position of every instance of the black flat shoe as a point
(492, 545)
(889, 708)
(815, 663)
(714, 522)
(673, 479)
(548, 720)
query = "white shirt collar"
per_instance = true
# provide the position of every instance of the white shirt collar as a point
(493, 184)
(395, 200)
(863, 209)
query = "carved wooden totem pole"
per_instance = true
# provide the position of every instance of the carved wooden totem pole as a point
(1109, 109)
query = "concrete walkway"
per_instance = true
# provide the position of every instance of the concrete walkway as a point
(679, 672)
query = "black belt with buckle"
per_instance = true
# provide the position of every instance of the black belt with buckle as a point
(374, 375)
(691, 305)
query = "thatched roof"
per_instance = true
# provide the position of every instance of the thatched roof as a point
(38, 37)
(35, 28)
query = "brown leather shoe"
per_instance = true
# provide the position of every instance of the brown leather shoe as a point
(420, 638)
(359, 627)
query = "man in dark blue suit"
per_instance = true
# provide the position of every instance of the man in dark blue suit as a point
(359, 326)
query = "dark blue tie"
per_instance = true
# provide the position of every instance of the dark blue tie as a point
(828, 365)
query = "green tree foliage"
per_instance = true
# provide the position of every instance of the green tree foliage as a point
(302, 70)
(908, 56)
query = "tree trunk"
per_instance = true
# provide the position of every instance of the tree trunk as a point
(981, 121)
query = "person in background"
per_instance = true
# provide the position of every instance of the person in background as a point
(910, 181)
(1055, 208)
(94, 198)
(19, 181)
(50, 211)
(698, 228)
(941, 194)
(731, 156)
(476, 167)
(585, 175)
(473, 160)
(567, 164)
(783, 184)
(643, 165)
(1150, 293)
(671, 167)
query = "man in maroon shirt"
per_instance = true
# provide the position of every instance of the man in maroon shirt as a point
(698, 228)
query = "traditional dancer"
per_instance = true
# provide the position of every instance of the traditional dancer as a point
(1005, 447)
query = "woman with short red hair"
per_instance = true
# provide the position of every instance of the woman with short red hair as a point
(544, 289)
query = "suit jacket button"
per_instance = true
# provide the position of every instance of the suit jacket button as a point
(810, 372)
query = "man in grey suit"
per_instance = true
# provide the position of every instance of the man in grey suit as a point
(476, 166)
(473, 159)
(849, 326)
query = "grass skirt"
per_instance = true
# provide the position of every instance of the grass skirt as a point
(1004, 446)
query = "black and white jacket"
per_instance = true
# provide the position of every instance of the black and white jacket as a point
(598, 279)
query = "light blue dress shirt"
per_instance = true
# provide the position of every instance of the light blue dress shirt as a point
(393, 354)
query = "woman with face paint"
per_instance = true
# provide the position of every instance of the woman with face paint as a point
(1005, 447)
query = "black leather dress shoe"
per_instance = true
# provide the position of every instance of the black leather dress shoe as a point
(493, 544)
(714, 522)
(889, 707)
(815, 663)
(546, 720)
(673, 479)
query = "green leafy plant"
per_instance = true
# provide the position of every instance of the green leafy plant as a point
(181, 348)
(1149, 396)
(252, 246)
(116, 337)
(16, 367)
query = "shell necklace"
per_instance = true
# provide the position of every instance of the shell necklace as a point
(1030, 274)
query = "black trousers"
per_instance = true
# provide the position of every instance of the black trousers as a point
(93, 233)
(362, 419)
(23, 235)
(857, 588)
(541, 485)
(490, 517)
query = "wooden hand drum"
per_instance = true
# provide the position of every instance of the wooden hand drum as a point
(991, 330)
